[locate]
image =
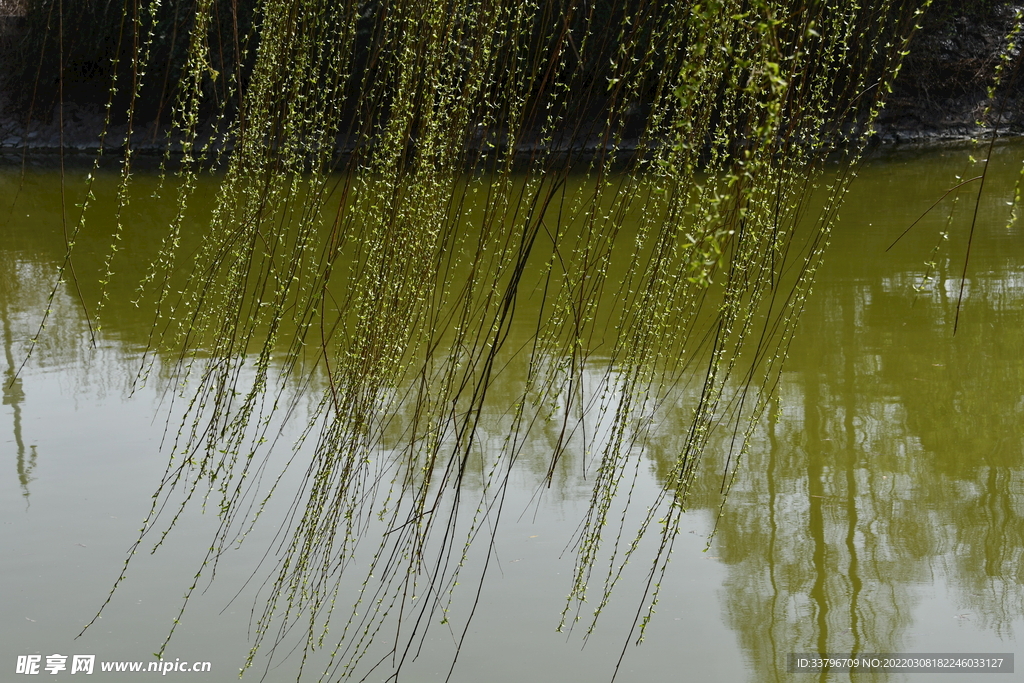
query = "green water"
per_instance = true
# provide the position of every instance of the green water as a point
(880, 509)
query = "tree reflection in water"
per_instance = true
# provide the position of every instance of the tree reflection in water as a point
(893, 456)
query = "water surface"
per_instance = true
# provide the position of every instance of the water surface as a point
(880, 509)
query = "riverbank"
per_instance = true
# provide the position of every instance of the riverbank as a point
(942, 94)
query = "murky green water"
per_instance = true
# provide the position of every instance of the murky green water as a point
(881, 508)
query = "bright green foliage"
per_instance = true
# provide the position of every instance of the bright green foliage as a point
(400, 177)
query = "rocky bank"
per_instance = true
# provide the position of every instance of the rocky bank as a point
(942, 92)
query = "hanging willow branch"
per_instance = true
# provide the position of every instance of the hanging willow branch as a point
(417, 193)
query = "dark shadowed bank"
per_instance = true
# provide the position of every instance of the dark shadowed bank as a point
(943, 92)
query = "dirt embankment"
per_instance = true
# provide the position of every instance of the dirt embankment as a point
(943, 89)
(942, 92)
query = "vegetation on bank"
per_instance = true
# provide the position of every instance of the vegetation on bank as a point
(83, 53)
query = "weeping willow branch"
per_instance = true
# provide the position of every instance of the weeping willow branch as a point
(416, 195)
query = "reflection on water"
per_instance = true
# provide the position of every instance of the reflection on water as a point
(893, 456)
(14, 394)
(891, 460)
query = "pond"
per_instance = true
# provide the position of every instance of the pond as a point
(880, 508)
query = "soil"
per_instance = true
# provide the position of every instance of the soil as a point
(942, 92)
